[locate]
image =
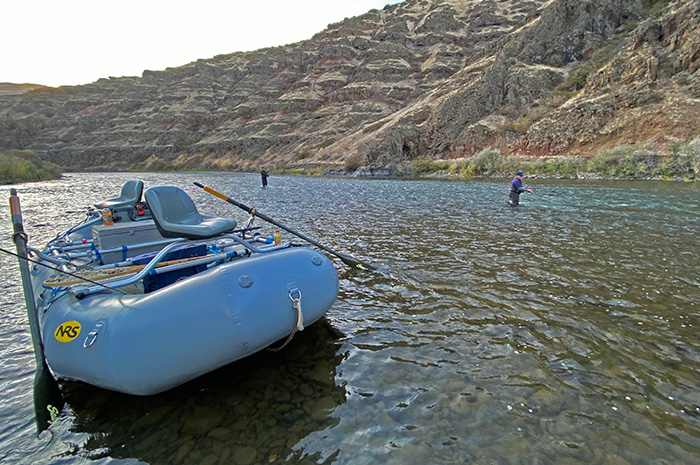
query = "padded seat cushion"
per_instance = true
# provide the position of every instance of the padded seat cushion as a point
(176, 215)
(130, 195)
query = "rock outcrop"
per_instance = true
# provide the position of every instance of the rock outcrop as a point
(433, 78)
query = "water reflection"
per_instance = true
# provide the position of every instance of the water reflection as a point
(252, 411)
(564, 331)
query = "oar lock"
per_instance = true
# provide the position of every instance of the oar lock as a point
(20, 234)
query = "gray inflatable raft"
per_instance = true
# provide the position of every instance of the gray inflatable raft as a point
(172, 294)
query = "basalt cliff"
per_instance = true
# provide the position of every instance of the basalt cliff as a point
(441, 79)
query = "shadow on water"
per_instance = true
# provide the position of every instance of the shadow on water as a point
(564, 331)
(252, 411)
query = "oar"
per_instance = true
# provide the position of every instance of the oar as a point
(352, 262)
(48, 401)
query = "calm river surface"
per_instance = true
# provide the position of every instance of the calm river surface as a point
(566, 331)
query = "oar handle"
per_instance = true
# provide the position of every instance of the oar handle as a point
(228, 199)
(212, 191)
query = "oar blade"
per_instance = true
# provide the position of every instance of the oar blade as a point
(355, 264)
(48, 400)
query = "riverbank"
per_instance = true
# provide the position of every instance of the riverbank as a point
(24, 166)
(646, 161)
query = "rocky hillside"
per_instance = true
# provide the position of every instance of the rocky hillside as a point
(441, 79)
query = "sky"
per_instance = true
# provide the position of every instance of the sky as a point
(72, 42)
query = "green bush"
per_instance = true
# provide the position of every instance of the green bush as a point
(422, 165)
(645, 161)
(564, 167)
(469, 170)
(651, 7)
(512, 164)
(487, 161)
(608, 162)
(353, 162)
(637, 161)
(543, 167)
(23, 166)
(570, 167)
(685, 160)
(462, 168)
(630, 161)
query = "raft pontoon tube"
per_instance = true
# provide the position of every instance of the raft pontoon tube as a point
(166, 294)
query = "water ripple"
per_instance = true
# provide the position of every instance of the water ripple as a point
(564, 331)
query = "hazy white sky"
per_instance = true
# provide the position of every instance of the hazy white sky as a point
(71, 42)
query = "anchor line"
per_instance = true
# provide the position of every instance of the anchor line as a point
(73, 275)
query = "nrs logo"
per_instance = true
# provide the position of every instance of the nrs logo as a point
(67, 331)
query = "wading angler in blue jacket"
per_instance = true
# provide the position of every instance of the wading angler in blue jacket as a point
(516, 188)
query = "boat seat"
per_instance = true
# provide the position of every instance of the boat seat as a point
(175, 215)
(130, 195)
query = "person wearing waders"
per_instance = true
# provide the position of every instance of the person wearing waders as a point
(516, 188)
(263, 175)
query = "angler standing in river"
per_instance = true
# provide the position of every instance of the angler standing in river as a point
(516, 188)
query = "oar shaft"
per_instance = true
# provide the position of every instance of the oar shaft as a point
(296, 233)
(346, 259)
(48, 400)
(252, 211)
(225, 198)
(20, 239)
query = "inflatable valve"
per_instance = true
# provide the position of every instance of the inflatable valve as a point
(278, 237)
(107, 217)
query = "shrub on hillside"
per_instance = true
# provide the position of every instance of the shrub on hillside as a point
(422, 165)
(487, 161)
(462, 168)
(354, 162)
(642, 160)
(685, 160)
(23, 166)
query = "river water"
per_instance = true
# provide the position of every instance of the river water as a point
(565, 331)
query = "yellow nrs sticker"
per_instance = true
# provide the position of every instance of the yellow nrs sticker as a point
(67, 331)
